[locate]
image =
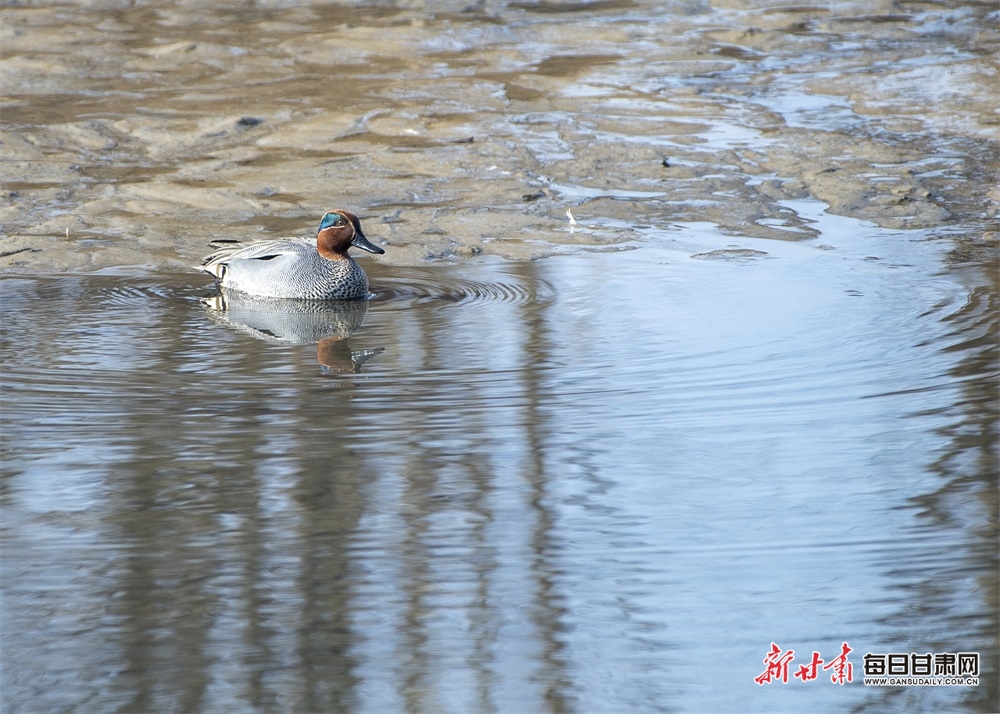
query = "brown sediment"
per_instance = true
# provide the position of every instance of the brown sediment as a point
(457, 134)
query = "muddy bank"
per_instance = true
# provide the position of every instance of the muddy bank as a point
(134, 135)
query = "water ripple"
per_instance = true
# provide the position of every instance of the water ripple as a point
(408, 286)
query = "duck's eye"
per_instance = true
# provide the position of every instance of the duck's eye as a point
(331, 220)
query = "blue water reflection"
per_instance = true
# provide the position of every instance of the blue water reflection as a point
(606, 484)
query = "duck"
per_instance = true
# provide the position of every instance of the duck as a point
(297, 268)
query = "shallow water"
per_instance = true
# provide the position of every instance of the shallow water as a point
(600, 482)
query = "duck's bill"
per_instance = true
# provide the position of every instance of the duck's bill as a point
(364, 244)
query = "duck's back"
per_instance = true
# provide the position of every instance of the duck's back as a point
(290, 268)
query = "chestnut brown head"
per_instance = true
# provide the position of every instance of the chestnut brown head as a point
(338, 231)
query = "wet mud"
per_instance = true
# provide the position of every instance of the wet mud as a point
(134, 133)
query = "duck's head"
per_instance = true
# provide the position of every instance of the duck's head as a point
(338, 231)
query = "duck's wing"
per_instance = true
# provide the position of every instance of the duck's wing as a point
(217, 261)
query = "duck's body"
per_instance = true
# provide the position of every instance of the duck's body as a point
(287, 268)
(298, 268)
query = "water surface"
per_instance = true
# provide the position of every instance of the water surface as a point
(599, 482)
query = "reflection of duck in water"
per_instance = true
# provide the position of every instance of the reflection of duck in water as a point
(328, 323)
(297, 268)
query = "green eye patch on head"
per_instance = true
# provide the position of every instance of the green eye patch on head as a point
(332, 219)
